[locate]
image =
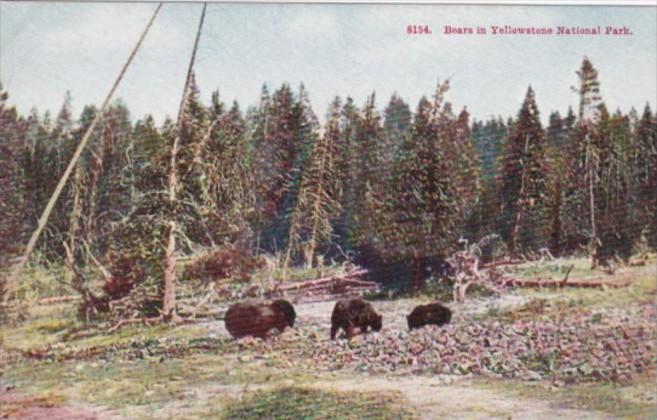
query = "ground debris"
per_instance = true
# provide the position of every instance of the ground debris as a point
(576, 347)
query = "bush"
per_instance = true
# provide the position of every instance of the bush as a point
(228, 262)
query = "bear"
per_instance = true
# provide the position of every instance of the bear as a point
(433, 313)
(351, 313)
(257, 318)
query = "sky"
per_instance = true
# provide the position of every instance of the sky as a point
(347, 50)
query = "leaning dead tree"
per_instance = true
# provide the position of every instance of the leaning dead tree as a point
(18, 268)
(169, 298)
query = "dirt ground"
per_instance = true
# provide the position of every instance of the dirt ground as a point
(438, 398)
(429, 397)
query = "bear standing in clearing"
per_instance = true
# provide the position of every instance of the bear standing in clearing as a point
(354, 313)
(430, 314)
(257, 319)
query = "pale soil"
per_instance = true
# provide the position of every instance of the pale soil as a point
(16, 406)
(435, 398)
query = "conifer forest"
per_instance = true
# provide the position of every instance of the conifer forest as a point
(541, 238)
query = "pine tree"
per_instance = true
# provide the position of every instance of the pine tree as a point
(644, 177)
(589, 106)
(488, 140)
(368, 182)
(424, 208)
(285, 128)
(558, 134)
(224, 164)
(465, 169)
(612, 197)
(318, 206)
(522, 187)
(12, 185)
(396, 124)
(347, 165)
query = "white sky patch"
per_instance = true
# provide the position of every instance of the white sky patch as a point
(48, 48)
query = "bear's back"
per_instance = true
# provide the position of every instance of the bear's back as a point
(249, 318)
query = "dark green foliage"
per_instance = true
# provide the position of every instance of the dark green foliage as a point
(397, 125)
(488, 140)
(422, 211)
(368, 179)
(12, 182)
(558, 151)
(522, 187)
(318, 200)
(284, 129)
(644, 177)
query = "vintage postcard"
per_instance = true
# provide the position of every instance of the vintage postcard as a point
(328, 210)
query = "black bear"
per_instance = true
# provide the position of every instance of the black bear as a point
(257, 318)
(352, 313)
(432, 313)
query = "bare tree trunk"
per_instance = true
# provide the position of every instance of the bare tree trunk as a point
(76, 214)
(594, 237)
(169, 297)
(310, 254)
(521, 201)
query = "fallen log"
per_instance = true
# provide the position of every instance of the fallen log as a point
(328, 280)
(551, 283)
(145, 320)
(501, 263)
(58, 299)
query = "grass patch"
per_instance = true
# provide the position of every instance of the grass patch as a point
(634, 400)
(555, 269)
(308, 403)
(642, 290)
(39, 281)
(119, 383)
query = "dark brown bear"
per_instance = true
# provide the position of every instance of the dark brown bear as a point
(432, 313)
(352, 313)
(257, 318)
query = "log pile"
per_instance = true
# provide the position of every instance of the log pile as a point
(555, 283)
(328, 287)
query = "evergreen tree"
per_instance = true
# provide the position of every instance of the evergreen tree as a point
(396, 124)
(227, 183)
(558, 133)
(423, 212)
(317, 205)
(464, 167)
(614, 201)
(284, 130)
(367, 181)
(347, 165)
(644, 177)
(522, 189)
(12, 186)
(488, 140)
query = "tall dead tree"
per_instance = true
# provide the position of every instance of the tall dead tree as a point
(169, 297)
(589, 102)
